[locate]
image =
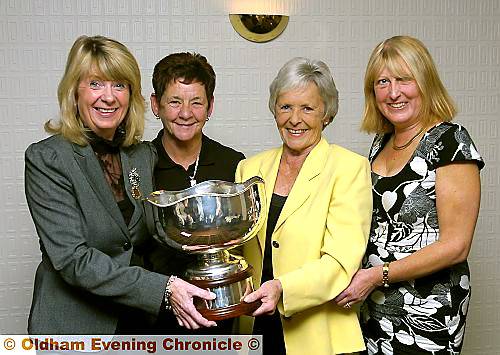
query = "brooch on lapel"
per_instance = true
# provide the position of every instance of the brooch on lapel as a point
(135, 181)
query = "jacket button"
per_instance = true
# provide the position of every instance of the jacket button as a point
(127, 246)
(276, 244)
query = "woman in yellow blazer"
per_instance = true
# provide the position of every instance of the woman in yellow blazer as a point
(318, 217)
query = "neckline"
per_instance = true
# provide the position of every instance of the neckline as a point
(386, 138)
(102, 146)
(278, 200)
(180, 152)
(166, 162)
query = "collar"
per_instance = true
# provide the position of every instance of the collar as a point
(207, 156)
(104, 146)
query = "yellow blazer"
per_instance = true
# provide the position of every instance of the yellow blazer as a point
(322, 233)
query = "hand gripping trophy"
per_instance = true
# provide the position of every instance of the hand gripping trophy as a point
(208, 219)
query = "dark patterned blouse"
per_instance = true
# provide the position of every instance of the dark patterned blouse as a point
(426, 315)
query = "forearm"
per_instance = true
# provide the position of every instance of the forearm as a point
(313, 284)
(430, 259)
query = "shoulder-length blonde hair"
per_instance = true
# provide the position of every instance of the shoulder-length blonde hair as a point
(110, 60)
(398, 55)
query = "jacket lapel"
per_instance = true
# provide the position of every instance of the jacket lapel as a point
(268, 170)
(95, 176)
(304, 184)
(127, 166)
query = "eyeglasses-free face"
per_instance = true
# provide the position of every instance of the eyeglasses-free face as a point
(183, 110)
(398, 98)
(300, 117)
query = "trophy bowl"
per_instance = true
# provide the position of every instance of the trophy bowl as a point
(208, 219)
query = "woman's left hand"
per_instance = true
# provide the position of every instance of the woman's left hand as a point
(269, 294)
(362, 284)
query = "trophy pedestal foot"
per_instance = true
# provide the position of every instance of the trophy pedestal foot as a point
(233, 311)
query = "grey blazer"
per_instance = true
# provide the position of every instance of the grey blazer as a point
(84, 279)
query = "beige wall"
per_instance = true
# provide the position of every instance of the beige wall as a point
(35, 36)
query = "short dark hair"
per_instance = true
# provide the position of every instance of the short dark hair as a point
(190, 67)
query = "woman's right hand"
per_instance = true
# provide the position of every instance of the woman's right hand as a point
(269, 294)
(362, 284)
(183, 307)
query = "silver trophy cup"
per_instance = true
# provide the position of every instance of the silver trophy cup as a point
(208, 219)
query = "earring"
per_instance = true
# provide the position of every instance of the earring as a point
(207, 119)
(156, 115)
(326, 123)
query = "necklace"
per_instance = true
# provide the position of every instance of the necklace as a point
(407, 144)
(192, 178)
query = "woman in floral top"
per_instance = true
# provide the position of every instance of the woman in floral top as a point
(426, 192)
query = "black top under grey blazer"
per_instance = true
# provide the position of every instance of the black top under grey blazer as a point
(85, 279)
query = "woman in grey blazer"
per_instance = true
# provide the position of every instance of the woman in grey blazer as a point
(84, 186)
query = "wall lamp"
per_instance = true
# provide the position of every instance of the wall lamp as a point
(258, 28)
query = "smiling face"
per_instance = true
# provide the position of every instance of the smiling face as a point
(102, 105)
(300, 117)
(183, 110)
(398, 99)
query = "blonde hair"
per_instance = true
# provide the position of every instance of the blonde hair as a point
(398, 55)
(110, 60)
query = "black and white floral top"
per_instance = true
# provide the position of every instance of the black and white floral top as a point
(425, 315)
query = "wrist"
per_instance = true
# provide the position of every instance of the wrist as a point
(278, 285)
(277, 288)
(376, 276)
(385, 274)
(168, 293)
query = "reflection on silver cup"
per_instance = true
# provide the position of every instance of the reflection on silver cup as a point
(208, 219)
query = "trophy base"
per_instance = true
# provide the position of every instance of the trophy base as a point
(230, 278)
(229, 312)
